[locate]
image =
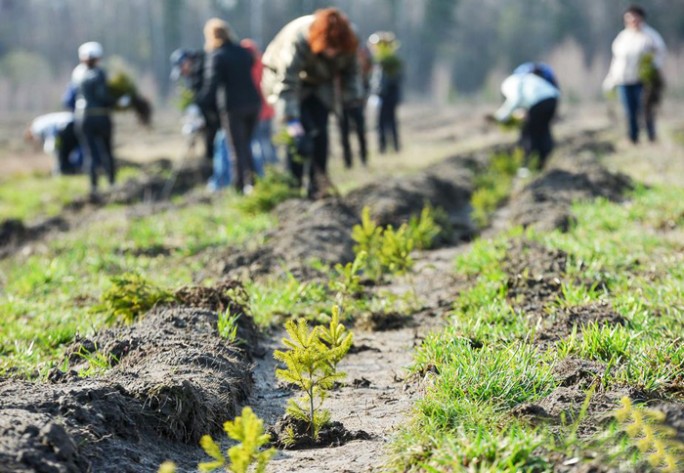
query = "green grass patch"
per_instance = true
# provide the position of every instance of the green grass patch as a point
(48, 296)
(485, 362)
(493, 185)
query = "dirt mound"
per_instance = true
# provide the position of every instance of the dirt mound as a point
(545, 202)
(307, 231)
(174, 380)
(14, 233)
(560, 323)
(535, 274)
(293, 434)
(447, 185)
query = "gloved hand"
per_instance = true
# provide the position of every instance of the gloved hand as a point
(294, 128)
(124, 101)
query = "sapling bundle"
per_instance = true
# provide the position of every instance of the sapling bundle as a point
(311, 364)
(120, 84)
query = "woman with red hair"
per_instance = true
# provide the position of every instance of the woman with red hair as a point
(310, 69)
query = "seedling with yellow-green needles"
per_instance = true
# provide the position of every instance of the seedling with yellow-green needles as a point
(311, 364)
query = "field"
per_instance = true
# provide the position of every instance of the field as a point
(500, 323)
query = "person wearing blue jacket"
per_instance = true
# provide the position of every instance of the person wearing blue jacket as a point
(537, 98)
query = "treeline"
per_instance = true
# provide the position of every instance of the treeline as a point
(451, 45)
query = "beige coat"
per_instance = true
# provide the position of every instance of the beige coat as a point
(292, 72)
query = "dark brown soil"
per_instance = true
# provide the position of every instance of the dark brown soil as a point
(174, 380)
(332, 435)
(560, 323)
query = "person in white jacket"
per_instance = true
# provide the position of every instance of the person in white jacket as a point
(537, 98)
(634, 45)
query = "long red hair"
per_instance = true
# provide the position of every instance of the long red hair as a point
(331, 29)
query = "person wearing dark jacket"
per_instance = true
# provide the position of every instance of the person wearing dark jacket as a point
(189, 65)
(387, 86)
(229, 85)
(310, 69)
(92, 113)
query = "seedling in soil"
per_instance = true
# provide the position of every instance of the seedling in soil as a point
(348, 280)
(424, 230)
(646, 429)
(368, 238)
(227, 325)
(248, 431)
(275, 187)
(311, 365)
(130, 296)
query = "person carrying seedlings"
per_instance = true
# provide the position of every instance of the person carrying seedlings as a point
(635, 70)
(310, 68)
(537, 99)
(228, 85)
(189, 65)
(387, 86)
(93, 106)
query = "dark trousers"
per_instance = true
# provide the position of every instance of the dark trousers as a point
(239, 125)
(314, 119)
(535, 136)
(68, 142)
(211, 127)
(95, 137)
(353, 116)
(387, 124)
(630, 96)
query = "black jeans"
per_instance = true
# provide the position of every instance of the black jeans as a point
(240, 125)
(535, 137)
(211, 127)
(353, 115)
(314, 119)
(68, 142)
(387, 123)
(95, 137)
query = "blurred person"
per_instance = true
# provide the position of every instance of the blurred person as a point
(310, 68)
(386, 86)
(56, 134)
(228, 85)
(534, 96)
(353, 112)
(189, 65)
(542, 70)
(262, 142)
(636, 70)
(93, 105)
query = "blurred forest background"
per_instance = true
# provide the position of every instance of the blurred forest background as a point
(453, 49)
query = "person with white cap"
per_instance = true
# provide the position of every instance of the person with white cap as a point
(92, 113)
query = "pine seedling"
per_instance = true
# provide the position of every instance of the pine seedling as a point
(337, 338)
(130, 296)
(423, 230)
(651, 436)
(395, 252)
(248, 430)
(167, 467)
(368, 238)
(348, 281)
(311, 366)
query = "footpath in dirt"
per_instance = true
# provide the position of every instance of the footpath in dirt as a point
(176, 379)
